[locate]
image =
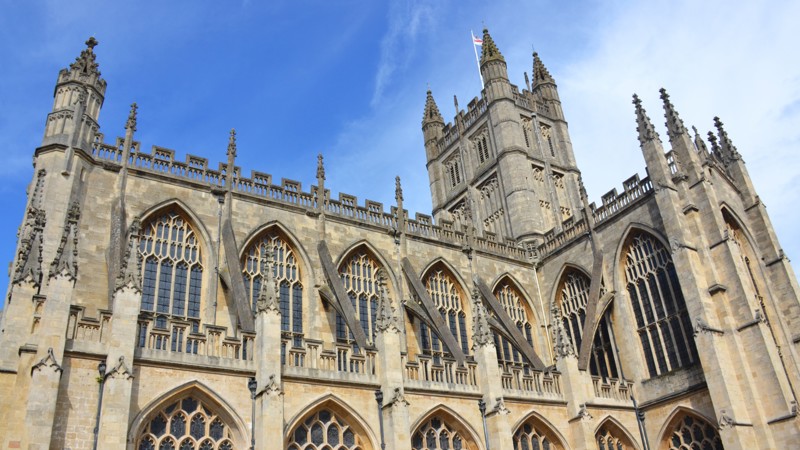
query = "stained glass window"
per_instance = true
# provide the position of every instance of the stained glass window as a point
(447, 297)
(438, 434)
(531, 435)
(324, 430)
(513, 304)
(691, 432)
(360, 278)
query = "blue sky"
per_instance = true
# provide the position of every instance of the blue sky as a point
(348, 79)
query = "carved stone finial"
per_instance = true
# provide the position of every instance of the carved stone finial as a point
(91, 43)
(398, 190)
(489, 50)
(562, 344)
(540, 72)
(431, 113)
(386, 319)
(268, 298)
(29, 255)
(729, 152)
(131, 268)
(481, 332)
(66, 261)
(232, 146)
(320, 169)
(674, 123)
(643, 125)
(85, 64)
(131, 123)
(48, 362)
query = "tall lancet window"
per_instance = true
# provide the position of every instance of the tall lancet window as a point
(172, 270)
(360, 278)
(448, 298)
(287, 275)
(664, 329)
(514, 305)
(573, 299)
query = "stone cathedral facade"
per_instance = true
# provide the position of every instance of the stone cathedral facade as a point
(158, 303)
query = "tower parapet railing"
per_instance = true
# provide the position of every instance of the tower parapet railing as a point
(523, 381)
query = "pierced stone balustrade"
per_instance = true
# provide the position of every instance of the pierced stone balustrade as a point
(438, 372)
(523, 381)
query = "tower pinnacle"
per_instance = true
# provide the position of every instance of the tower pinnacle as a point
(643, 125)
(232, 143)
(727, 148)
(489, 51)
(85, 63)
(131, 123)
(431, 114)
(540, 72)
(674, 123)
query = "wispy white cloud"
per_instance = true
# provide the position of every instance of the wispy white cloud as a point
(407, 18)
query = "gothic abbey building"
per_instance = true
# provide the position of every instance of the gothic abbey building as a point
(164, 304)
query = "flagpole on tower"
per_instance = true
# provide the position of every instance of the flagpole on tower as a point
(475, 43)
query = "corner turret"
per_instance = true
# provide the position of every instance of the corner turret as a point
(79, 95)
(545, 89)
(493, 69)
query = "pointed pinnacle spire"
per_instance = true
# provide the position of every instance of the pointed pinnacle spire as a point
(398, 190)
(726, 145)
(540, 72)
(85, 62)
(131, 123)
(489, 51)
(643, 125)
(699, 143)
(232, 143)
(320, 168)
(431, 114)
(674, 123)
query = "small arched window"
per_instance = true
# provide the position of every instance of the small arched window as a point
(512, 301)
(360, 278)
(439, 433)
(611, 437)
(172, 270)
(662, 320)
(573, 297)
(287, 276)
(447, 297)
(185, 424)
(535, 435)
(324, 430)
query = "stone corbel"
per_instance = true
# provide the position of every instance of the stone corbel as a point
(700, 326)
(119, 371)
(398, 399)
(499, 408)
(48, 361)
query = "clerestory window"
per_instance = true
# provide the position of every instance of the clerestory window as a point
(512, 302)
(360, 278)
(446, 295)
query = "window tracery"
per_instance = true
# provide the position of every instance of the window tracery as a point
(546, 132)
(691, 433)
(446, 295)
(610, 439)
(481, 144)
(438, 434)
(513, 303)
(453, 170)
(324, 430)
(360, 278)
(531, 435)
(662, 320)
(185, 424)
(287, 275)
(573, 299)
(172, 270)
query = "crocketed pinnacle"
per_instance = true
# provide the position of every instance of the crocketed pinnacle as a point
(643, 125)
(674, 123)
(540, 72)
(85, 62)
(232, 143)
(131, 123)
(699, 143)
(726, 145)
(398, 189)
(489, 51)
(320, 168)
(431, 114)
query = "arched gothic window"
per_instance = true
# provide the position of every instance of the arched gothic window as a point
(573, 298)
(360, 278)
(172, 270)
(691, 432)
(324, 430)
(610, 437)
(438, 434)
(664, 329)
(447, 297)
(185, 424)
(511, 299)
(533, 435)
(287, 275)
